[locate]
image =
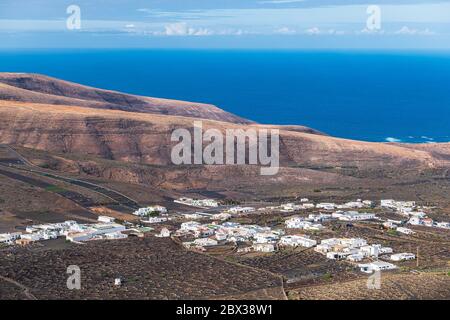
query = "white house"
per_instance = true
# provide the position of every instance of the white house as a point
(397, 205)
(105, 219)
(356, 216)
(319, 217)
(376, 266)
(197, 202)
(385, 250)
(264, 247)
(220, 236)
(313, 226)
(238, 209)
(165, 233)
(355, 257)
(203, 232)
(31, 237)
(405, 230)
(115, 236)
(265, 237)
(325, 206)
(206, 242)
(336, 255)
(370, 250)
(95, 231)
(353, 242)
(445, 225)
(9, 238)
(297, 241)
(155, 219)
(190, 226)
(417, 214)
(402, 256)
(294, 223)
(221, 216)
(142, 212)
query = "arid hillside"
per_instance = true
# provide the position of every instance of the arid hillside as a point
(120, 137)
(145, 138)
(36, 88)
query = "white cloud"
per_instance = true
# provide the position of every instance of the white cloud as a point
(391, 139)
(371, 31)
(130, 26)
(231, 32)
(285, 30)
(427, 32)
(182, 29)
(317, 31)
(405, 30)
(313, 31)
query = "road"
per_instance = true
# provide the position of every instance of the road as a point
(26, 290)
(119, 198)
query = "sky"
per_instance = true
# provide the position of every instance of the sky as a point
(309, 24)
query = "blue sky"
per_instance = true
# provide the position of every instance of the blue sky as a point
(420, 24)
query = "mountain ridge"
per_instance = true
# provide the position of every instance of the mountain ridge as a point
(38, 88)
(143, 139)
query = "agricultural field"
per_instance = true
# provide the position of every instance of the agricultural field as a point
(150, 268)
(423, 286)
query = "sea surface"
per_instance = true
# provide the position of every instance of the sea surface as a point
(372, 96)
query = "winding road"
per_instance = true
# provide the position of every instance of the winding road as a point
(117, 197)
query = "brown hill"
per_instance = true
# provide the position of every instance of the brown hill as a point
(36, 88)
(131, 135)
(145, 138)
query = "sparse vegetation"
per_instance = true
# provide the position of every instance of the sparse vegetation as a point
(152, 268)
(55, 189)
(392, 232)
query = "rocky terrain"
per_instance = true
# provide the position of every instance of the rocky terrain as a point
(73, 152)
(123, 137)
(118, 137)
(36, 88)
(150, 268)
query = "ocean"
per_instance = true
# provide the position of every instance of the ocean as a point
(364, 95)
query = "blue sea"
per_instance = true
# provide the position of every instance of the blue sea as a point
(372, 96)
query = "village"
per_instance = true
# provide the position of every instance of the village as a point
(302, 227)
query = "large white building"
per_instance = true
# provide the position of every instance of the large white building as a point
(143, 212)
(238, 209)
(264, 247)
(297, 241)
(300, 223)
(356, 216)
(405, 230)
(376, 266)
(201, 203)
(326, 206)
(9, 238)
(105, 219)
(96, 231)
(403, 256)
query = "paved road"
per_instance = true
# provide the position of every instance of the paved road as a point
(119, 198)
